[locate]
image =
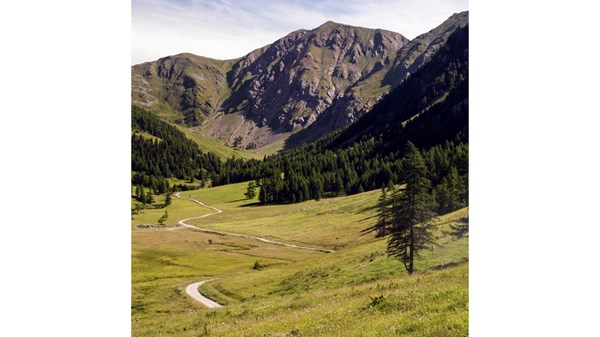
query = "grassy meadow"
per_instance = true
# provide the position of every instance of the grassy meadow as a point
(356, 291)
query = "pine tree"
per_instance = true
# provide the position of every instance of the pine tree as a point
(168, 199)
(411, 230)
(138, 193)
(142, 195)
(251, 190)
(262, 195)
(447, 193)
(149, 198)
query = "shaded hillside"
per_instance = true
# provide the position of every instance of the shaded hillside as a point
(430, 107)
(408, 59)
(160, 151)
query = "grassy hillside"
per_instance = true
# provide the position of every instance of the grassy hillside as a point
(207, 144)
(182, 87)
(356, 291)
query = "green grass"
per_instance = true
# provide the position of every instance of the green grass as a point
(224, 152)
(178, 210)
(356, 291)
(145, 134)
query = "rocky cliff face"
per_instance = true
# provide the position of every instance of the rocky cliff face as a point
(310, 81)
(299, 76)
(367, 91)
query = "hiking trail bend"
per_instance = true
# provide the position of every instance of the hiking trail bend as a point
(192, 289)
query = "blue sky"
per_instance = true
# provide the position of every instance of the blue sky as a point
(225, 29)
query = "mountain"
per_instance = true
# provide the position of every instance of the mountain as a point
(429, 108)
(287, 85)
(183, 88)
(406, 60)
(306, 84)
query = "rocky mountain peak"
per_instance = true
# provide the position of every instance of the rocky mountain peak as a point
(323, 78)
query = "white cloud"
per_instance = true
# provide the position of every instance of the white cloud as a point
(231, 28)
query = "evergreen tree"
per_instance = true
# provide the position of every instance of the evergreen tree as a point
(149, 198)
(338, 187)
(411, 230)
(262, 195)
(142, 196)
(251, 190)
(138, 193)
(168, 199)
(448, 193)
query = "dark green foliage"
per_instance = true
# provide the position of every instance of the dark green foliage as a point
(447, 193)
(429, 109)
(176, 156)
(237, 141)
(412, 212)
(173, 156)
(149, 198)
(251, 190)
(432, 102)
(163, 218)
(367, 154)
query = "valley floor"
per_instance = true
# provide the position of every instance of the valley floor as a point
(276, 290)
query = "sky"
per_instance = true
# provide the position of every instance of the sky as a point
(226, 29)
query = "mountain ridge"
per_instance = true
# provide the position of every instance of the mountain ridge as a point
(309, 82)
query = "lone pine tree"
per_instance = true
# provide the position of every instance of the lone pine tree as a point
(251, 190)
(412, 211)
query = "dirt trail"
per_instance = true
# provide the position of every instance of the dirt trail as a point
(182, 223)
(192, 289)
(194, 293)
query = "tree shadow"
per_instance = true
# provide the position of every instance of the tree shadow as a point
(366, 209)
(450, 264)
(254, 204)
(232, 201)
(374, 228)
(461, 229)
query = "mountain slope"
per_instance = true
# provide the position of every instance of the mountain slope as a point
(306, 84)
(188, 87)
(284, 87)
(406, 60)
(428, 108)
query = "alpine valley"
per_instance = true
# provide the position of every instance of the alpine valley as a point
(317, 186)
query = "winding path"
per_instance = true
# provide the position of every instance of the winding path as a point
(192, 289)
(182, 223)
(194, 293)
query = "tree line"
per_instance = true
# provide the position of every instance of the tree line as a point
(364, 156)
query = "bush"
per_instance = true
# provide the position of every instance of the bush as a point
(376, 300)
